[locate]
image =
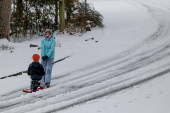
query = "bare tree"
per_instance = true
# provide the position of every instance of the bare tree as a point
(5, 15)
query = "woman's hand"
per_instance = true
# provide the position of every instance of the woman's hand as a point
(45, 57)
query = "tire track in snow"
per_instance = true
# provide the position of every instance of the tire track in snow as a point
(115, 63)
(124, 54)
(11, 104)
(121, 56)
(97, 95)
(140, 62)
(103, 89)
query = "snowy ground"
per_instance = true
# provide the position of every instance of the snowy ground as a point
(114, 74)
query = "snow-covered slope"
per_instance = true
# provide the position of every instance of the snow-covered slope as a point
(105, 76)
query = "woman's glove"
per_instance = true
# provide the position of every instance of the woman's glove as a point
(45, 57)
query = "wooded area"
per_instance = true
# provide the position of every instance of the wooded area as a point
(21, 19)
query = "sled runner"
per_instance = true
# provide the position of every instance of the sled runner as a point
(30, 91)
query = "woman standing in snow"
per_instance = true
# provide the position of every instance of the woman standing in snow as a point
(47, 53)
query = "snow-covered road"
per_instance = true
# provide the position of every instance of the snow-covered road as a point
(135, 48)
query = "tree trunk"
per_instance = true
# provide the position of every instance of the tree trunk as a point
(20, 8)
(26, 17)
(5, 15)
(62, 15)
(68, 12)
(56, 13)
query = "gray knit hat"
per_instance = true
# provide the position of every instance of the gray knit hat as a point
(47, 30)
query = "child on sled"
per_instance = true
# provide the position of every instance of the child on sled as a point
(36, 71)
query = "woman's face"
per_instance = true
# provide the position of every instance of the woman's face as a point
(47, 33)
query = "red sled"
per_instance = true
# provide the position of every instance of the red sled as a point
(30, 91)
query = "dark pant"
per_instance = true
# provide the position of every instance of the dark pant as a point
(34, 83)
(36, 77)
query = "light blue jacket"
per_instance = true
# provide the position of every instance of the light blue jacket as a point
(48, 47)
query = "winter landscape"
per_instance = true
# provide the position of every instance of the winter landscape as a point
(122, 68)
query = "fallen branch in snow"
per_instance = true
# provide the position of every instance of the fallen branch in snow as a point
(60, 59)
(32, 45)
(20, 73)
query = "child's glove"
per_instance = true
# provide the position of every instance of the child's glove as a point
(45, 57)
